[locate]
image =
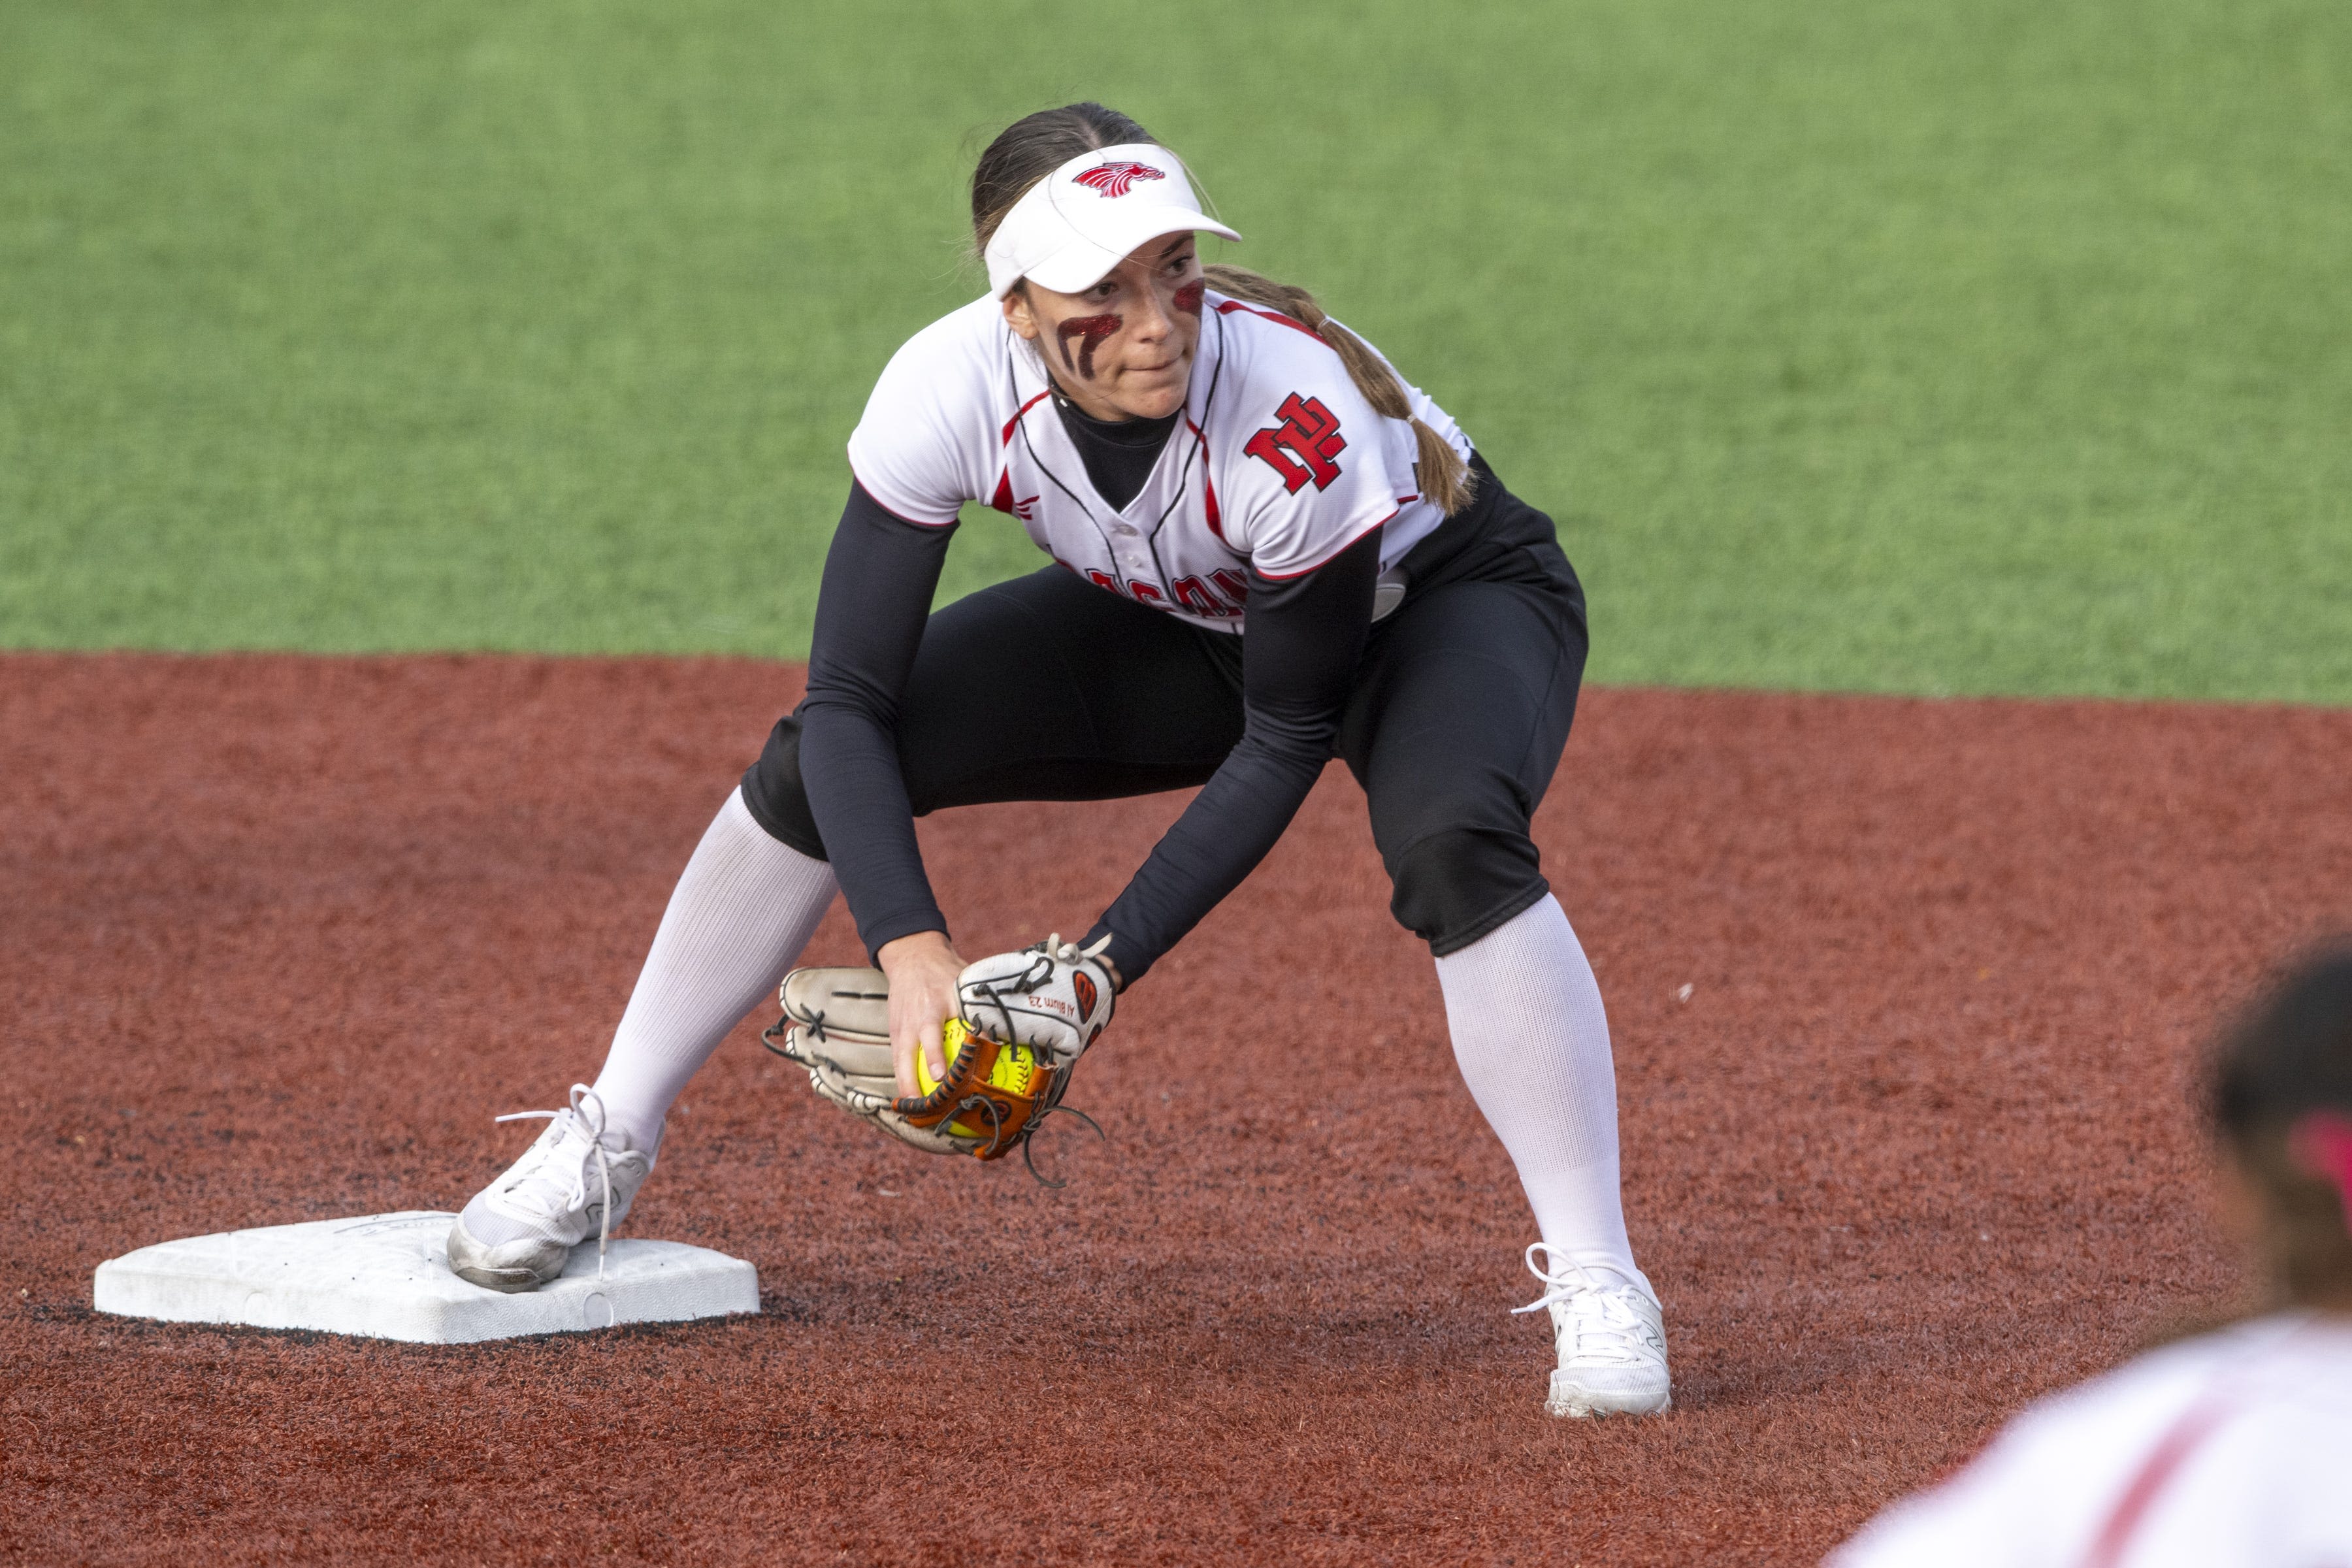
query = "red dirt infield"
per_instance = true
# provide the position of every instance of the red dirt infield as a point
(284, 934)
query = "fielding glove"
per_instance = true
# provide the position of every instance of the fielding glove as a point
(836, 1026)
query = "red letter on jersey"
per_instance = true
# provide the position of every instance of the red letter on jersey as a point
(1196, 596)
(1311, 432)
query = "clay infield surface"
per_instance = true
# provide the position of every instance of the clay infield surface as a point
(284, 934)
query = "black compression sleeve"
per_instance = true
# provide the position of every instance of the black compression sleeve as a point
(879, 576)
(1304, 636)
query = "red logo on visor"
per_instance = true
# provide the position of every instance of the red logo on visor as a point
(1118, 179)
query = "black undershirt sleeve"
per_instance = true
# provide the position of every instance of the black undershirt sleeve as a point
(1304, 636)
(879, 576)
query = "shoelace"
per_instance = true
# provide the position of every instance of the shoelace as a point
(583, 1096)
(1600, 1314)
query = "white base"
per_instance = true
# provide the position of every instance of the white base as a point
(387, 1277)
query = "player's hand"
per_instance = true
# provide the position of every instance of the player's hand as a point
(923, 969)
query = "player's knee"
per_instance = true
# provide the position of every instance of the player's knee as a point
(775, 795)
(1454, 886)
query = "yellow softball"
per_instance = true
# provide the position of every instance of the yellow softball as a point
(1014, 1070)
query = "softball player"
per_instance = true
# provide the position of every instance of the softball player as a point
(1195, 450)
(2231, 1448)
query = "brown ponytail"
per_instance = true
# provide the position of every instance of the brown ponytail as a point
(1445, 479)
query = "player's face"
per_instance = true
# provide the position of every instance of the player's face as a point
(1124, 348)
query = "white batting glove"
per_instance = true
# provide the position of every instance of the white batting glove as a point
(1055, 998)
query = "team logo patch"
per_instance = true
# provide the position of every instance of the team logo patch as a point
(1303, 446)
(1117, 179)
(1085, 986)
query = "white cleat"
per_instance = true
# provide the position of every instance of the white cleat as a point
(519, 1232)
(1611, 1336)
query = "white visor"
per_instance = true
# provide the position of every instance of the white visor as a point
(1070, 228)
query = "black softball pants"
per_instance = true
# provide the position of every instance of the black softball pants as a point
(1046, 688)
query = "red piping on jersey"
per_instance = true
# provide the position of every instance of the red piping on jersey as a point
(1286, 577)
(1003, 501)
(909, 522)
(1230, 306)
(1208, 486)
(2156, 1473)
(1015, 423)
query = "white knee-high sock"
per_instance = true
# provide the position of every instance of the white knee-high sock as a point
(744, 908)
(1532, 1041)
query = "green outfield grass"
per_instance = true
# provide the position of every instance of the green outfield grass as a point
(1881, 344)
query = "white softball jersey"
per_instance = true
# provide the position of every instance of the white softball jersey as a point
(2235, 1447)
(1279, 463)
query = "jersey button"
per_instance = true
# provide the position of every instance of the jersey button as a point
(1124, 530)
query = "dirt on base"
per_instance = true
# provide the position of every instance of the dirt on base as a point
(1907, 999)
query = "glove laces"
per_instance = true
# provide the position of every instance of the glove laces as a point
(1050, 951)
(1054, 947)
(583, 1096)
(1602, 1322)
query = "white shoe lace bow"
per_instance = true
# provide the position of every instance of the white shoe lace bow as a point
(1602, 1316)
(583, 1096)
